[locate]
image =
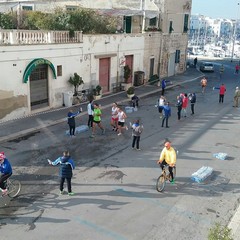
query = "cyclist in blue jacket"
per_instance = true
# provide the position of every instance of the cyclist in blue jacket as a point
(5, 170)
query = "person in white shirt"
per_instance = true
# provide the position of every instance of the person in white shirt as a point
(121, 121)
(161, 103)
(90, 109)
(114, 117)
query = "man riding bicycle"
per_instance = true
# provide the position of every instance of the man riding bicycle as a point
(5, 171)
(168, 157)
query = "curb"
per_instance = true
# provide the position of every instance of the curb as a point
(234, 225)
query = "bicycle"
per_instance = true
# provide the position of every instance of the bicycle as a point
(82, 96)
(165, 176)
(13, 187)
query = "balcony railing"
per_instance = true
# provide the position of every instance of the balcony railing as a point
(23, 37)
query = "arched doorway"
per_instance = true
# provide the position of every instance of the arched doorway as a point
(37, 72)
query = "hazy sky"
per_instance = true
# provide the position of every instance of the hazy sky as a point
(217, 8)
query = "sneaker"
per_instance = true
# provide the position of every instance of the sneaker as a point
(61, 192)
(173, 181)
(119, 134)
(138, 149)
(71, 193)
(103, 131)
(126, 128)
(130, 124)
(91, 136)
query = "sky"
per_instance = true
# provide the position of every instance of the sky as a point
(217, 8)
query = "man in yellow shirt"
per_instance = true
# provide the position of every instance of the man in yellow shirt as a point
(168, 157)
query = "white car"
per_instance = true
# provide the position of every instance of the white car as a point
(207, 67)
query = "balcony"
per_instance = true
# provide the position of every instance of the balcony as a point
(24, 37)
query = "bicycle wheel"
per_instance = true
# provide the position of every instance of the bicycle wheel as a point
(14, 187)
(161, 182)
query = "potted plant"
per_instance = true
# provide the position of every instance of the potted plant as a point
(97, 92)
(76, 81)
(130, 92)
(127, 73)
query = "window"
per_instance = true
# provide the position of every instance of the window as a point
(59, 70)
(71, 8)
(185, 24)
(27, 8)
(177, 56)
(153, 22)
(171, 27)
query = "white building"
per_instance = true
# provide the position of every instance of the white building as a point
(36, 65)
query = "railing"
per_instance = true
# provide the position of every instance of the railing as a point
(16, 37)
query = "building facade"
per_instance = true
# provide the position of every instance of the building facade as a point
(38, 64)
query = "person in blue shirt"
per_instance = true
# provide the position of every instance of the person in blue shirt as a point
(71, 121)
(166, 114)
(163, 84)
(5, 171)
(65, 171)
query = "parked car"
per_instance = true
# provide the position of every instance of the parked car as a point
(207, 67)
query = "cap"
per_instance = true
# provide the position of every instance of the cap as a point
(167, 144)
(2, 156)
(236, 87)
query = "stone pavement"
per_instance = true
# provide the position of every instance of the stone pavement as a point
(19, 127)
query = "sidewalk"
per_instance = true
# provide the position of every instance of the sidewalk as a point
(19, 127)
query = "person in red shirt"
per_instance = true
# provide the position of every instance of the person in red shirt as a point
(237, 69)
(222, 91)
(184, 104)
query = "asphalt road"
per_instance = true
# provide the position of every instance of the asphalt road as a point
(115, 185)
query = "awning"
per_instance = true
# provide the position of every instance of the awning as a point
(124, 7)
(33, 64)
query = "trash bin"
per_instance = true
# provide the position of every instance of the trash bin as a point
(68, 98)
(138, 78)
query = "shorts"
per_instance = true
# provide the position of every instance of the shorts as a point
(96, 121)
(114, 119)
(160, 108)
(121, 124)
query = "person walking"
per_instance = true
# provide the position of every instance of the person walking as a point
(168, 157)
(163, 84)
(121, 121)
(195, 62)
(222, 91)
(237, 69)
(71, 121)
(221, 71)
(65, 172)
(184, 104)
(97, 113)
(136, 133)
(203, 84)
(192, 98)
(236, 97)
(161, 102)
(114, 117)
(166, 114)
(179, 107)
(90, 109)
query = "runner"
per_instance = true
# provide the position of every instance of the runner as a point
(121, 121)
(114, 118)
